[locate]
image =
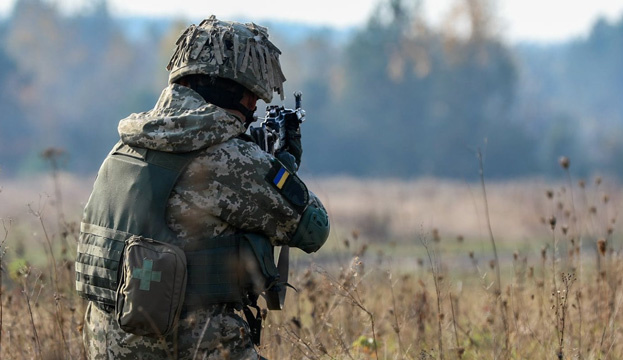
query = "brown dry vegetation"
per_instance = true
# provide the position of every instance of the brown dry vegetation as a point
(408, 273)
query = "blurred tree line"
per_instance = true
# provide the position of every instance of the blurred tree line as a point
(397, 97)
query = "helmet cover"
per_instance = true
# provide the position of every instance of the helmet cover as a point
(232, 50)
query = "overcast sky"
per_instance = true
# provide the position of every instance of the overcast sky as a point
(533, 20)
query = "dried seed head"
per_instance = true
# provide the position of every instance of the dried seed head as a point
(601, 246)
(515, 255)
(436, 237)
(492, 264)
(598, 180)
(592, 210)
(564, 162)
(552, 222)
(471, 254)
(610, 230)
(52, 153)
(606, 198)
(296, 322)
(543, 252)
(459, 238)
(564, 229)
(549, 194)
(582, 184)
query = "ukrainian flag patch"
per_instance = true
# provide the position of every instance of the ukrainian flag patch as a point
(289, 186)
(281, 177)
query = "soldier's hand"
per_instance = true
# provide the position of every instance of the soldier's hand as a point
(293, 143)
(287, 160)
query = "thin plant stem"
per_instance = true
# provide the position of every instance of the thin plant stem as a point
(495, 252)
(456, 334)
(395, 310)
(435, 272)
(2, 252)
(576, 231)
(39, 215)
(57, 295)
(32, 320)
(54, 155)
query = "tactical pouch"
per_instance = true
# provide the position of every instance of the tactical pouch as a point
(151, 288)
(257, 253)
(225, 269)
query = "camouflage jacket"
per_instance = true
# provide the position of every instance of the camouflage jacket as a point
(223, 189)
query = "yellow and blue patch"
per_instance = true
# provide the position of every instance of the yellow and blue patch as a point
(281, 177)
(288, 185)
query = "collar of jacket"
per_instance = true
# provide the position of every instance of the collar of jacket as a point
(181, 121)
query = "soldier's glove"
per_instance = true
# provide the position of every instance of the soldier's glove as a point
(293, 143)
(287, 160)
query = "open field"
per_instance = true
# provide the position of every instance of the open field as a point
(409, 272)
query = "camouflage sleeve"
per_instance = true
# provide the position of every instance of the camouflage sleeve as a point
(227, 186)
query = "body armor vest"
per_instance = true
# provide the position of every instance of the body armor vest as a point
(129, 198)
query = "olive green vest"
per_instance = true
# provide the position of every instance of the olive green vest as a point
(129, 198)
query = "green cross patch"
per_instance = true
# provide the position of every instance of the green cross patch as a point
(146, 274)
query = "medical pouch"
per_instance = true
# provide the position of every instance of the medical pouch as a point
(151, 287)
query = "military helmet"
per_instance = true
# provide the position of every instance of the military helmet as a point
(232, 50)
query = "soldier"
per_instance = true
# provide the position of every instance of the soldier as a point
(178, 234)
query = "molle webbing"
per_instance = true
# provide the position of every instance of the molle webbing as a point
(230, 269)
(214, 272)
(129, 197)
(99, 253)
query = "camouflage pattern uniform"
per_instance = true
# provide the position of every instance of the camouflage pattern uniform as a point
(221, 191)
(211, 333)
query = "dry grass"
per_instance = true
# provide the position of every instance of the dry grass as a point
(407, 274)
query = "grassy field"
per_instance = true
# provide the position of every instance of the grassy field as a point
(423, 269)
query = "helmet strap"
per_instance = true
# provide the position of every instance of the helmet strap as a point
(247, 113)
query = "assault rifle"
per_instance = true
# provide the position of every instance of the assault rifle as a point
(271, 137)
(271, 134)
